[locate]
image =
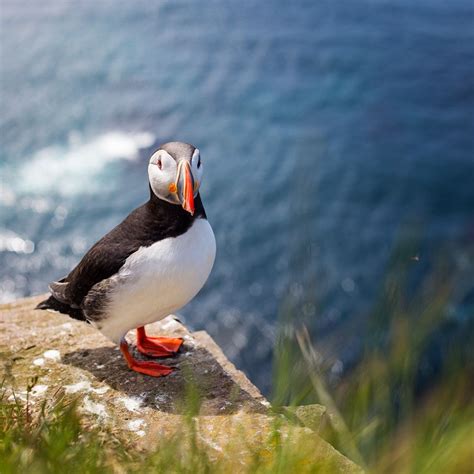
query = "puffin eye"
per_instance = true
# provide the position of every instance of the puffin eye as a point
(159, 164)
(199, 162)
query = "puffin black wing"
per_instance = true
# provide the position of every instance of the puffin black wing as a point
(102, 261)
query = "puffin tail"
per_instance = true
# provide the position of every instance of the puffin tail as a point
(52, 304)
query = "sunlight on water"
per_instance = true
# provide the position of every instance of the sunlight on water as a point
(71, 170)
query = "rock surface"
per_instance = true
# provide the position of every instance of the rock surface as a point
(73, 358)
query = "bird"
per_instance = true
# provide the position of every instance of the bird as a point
(149, 266)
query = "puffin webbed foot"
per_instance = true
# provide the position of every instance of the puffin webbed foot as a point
(155, 346)
(144, 367)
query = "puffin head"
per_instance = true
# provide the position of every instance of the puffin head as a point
(175, 172)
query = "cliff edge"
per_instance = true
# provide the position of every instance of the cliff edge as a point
(69, 357)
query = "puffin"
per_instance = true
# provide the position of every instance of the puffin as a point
(149, 266)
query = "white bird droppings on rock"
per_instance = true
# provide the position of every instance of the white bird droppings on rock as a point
(94, 408)
(38, 362)
(83, 386)
(131, 404)
(18, 395)
(53, 355)
(38, 390)
(135, 425)
(101, 390)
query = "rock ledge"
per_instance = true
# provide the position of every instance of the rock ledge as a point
(72, 357)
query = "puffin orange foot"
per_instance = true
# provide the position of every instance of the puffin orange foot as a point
(154, 346)
(144, 367)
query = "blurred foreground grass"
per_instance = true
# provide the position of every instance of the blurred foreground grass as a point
(386, 415)
(407, 406)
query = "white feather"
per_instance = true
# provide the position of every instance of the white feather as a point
(158, 280)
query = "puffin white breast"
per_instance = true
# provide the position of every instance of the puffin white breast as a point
(160, 279)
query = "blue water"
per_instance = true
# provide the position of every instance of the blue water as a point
(324, 127)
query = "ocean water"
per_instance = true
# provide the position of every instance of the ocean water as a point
(325, 127)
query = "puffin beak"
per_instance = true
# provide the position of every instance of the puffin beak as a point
(185, 185)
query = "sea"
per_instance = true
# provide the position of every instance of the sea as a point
(329, 130)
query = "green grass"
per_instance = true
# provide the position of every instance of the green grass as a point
(51, 440)
(385, 417)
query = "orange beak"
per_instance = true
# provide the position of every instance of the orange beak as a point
(186, 186)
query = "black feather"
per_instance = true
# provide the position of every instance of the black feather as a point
(53, 304)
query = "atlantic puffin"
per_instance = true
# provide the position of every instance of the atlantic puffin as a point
(149, 266)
